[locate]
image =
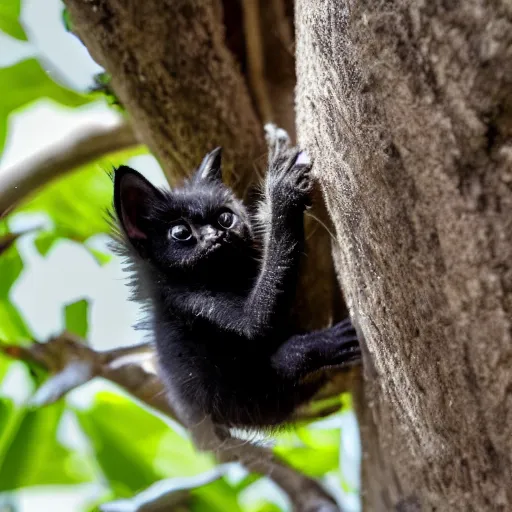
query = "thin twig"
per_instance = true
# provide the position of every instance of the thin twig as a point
(79, 148)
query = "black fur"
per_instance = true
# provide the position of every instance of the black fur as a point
(219, 303)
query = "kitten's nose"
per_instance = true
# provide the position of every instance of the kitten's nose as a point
(209, 233)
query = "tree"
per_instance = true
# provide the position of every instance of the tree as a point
(405, 108)
(415, 174)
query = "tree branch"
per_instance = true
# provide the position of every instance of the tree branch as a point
(178, 81)
(81, 147)
(71, 363)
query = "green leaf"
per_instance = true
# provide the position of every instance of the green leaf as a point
(217, 496)
(103, 87)
(313, 451)
(35, 456)
(44, 242)
(246, 482)
(313, 462)
(135, 448)
(66, 20)
(76, 317)
(11, 266)
(4, 366)
(78, 202)
(264, 506)
(9, 19)
(101, 257)
(12, 326)
(75, 203)
(25, 82)
(6, 417)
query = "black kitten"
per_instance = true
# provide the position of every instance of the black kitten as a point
(219, 305)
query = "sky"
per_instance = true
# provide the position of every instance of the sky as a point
(68, 273)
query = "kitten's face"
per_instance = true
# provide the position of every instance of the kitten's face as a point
(201, 224)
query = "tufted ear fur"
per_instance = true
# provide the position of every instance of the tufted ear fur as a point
(210, 168)
(134, 196)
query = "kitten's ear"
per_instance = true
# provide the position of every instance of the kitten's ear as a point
(133, 197)
(211, 167)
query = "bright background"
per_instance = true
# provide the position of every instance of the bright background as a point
(71, 456)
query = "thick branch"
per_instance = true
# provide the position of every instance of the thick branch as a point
(80, 148)
(172, 71)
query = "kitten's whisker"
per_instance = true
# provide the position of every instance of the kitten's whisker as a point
(333, 237)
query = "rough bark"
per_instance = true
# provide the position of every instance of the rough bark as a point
(180, 84)
(406, 108)
(174, 69)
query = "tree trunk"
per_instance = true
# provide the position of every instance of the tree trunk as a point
(406, 108)
(178, 68)
(180, 84)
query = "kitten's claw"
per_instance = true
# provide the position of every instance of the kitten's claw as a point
(303, 159)
(290, 177)
(277, 140)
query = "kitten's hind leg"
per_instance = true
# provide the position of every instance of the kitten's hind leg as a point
(308, 353)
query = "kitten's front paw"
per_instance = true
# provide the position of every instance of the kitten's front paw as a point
(345, 328)
(289, 180)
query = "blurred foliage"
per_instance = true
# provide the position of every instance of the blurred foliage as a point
(124, 448)
(32, 454)
(76, 319)
(25, 82)
(102, 86)
(9, 19)
(12, 325)
(78, 204)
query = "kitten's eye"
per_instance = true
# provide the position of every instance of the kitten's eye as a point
(181, 232)
(227, 220)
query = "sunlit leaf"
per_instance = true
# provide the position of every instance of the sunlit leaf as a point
(76, 320)
(264, 506)
(101, 257)
(66, 20)
(4, 366)
(103, 87)
(9, 19)
(7, 240)
(35, 456)
(246, 481)
(11, 266)
(44, 241)
(78, 202)
(135, 448)
(12, 325)
(311, 461)
(217, 496)
(6, 417)
(313, 451)
(25, 82)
